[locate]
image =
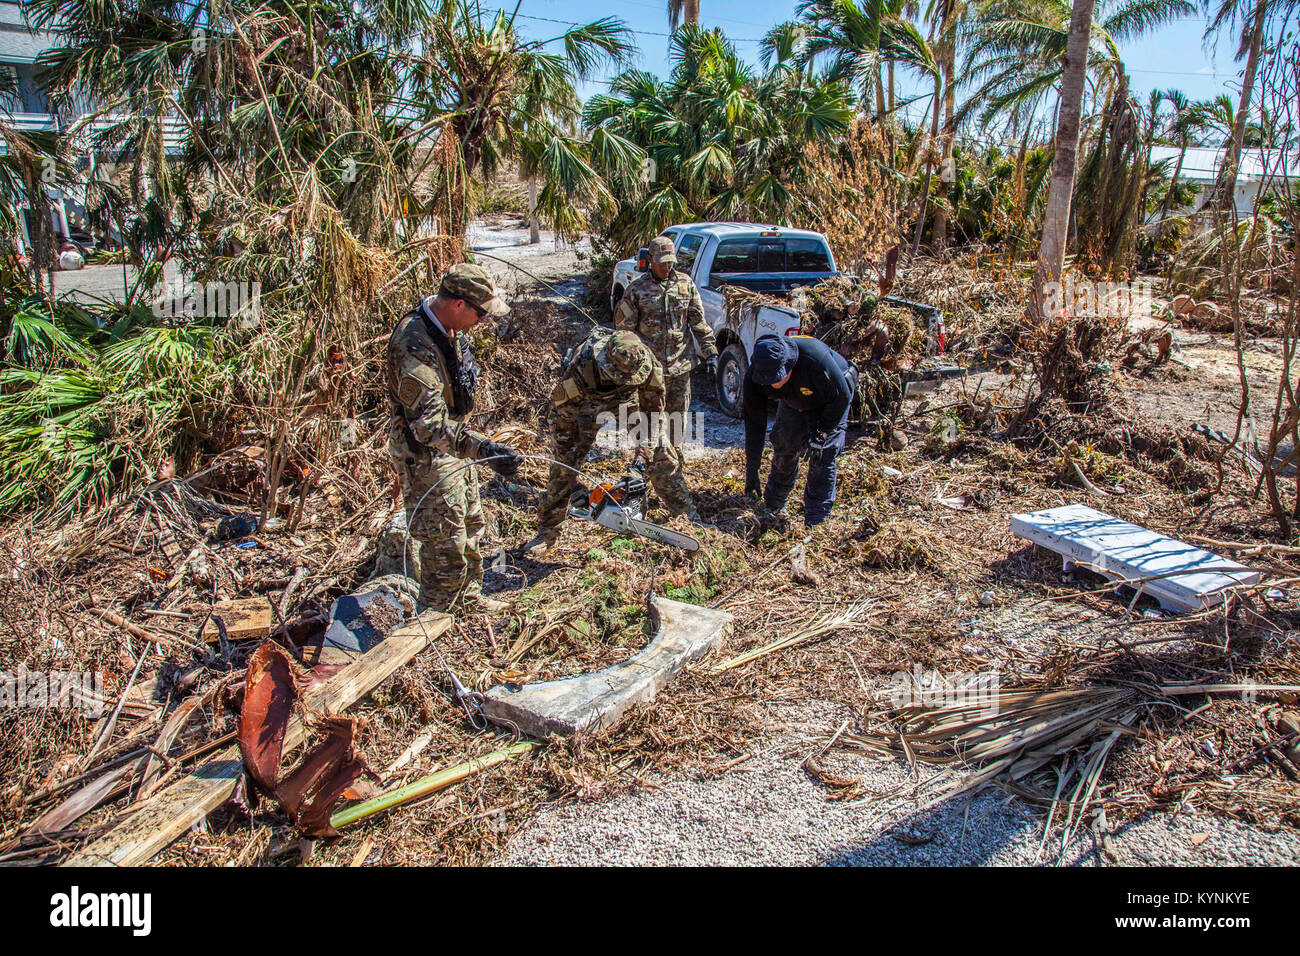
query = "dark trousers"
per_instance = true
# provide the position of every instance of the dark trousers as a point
(789, 437)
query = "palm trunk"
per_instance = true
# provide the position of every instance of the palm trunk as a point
(1056, 220)
(929, 170)
(1226, 185)
(1173, 183)
(691, 12)
(534, 227)
(949, 109)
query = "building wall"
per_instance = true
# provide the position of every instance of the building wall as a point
(19, 48)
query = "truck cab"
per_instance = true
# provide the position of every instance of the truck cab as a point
(763, 258)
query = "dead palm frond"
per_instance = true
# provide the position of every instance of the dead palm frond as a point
(824, 625)
(1030, 741)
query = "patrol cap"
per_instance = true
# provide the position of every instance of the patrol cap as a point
(772, 360)
(473, 284)
(661, 250)
(624, 358)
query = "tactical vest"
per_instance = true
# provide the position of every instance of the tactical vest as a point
(463, 372)
(580, 375)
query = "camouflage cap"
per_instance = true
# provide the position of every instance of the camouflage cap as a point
(661, 250)
(624, 358)
(473, 284)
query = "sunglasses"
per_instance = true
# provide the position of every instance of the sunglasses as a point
(481, 313)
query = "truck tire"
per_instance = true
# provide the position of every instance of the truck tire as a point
(614, 298)
(733, 366)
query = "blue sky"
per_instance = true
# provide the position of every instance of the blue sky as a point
(1174, 56)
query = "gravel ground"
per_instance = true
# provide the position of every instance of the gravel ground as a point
(769, 811)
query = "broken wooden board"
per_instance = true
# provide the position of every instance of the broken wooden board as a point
(683, 632)
(1124, 551)
(169, 813)
(246, 619)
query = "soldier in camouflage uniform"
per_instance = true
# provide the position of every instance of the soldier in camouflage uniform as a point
(661, 306)
(605, 372)
(431, 379)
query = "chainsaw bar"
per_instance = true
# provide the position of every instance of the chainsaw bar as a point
(619, 507)
(654, 532)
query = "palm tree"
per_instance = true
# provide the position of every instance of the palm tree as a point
(723, 141)
(499, 98)
(856, 42)
(1229, 13)
(1016, 58)
(1188, 120)
(23, 181)
(1056, 218)
(946, 17)
(679, 10)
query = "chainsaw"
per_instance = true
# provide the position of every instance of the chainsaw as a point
(620, 506)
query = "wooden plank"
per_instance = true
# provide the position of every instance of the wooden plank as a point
(1184, 577)
(246, 619)
(169, 813)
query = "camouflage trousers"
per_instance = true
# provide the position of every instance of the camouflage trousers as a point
(573, 429)
(446, 525)
(677, 405)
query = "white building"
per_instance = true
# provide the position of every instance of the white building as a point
(1258, 169)
(20, 49)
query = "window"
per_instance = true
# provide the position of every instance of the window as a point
(806, 255)
(687, 250)
(736, 255)
(771, 256)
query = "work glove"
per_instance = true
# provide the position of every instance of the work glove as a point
(506, 466)
(821, 449)
(752, 489)
(711, 363)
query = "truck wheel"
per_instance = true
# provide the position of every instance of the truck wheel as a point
(733, 366)
(614, 298)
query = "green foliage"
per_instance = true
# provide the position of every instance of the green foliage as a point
(993, 201)
(716, 140)
(94, 400)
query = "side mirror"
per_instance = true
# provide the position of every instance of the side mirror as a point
(643, 259)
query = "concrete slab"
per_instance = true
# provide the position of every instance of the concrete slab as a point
(1125, 551)
(682, 633)
(360, 620)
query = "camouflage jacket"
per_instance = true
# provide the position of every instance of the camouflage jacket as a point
(420, 387)
(583, 380)
(661, 313)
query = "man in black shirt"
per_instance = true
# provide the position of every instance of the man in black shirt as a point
(814, 386)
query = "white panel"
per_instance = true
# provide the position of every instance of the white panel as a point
(1121, 550)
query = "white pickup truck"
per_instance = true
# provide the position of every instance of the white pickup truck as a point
(770, 259)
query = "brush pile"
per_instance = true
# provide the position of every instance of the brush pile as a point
(983, 304)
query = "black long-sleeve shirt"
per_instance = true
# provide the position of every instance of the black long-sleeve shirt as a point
(819, 385)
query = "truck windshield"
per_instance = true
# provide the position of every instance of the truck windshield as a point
(771, 255)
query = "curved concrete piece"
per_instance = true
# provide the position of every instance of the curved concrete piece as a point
(683, 632)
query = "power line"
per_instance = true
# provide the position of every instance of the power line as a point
(1177, 72)
(648, 33)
